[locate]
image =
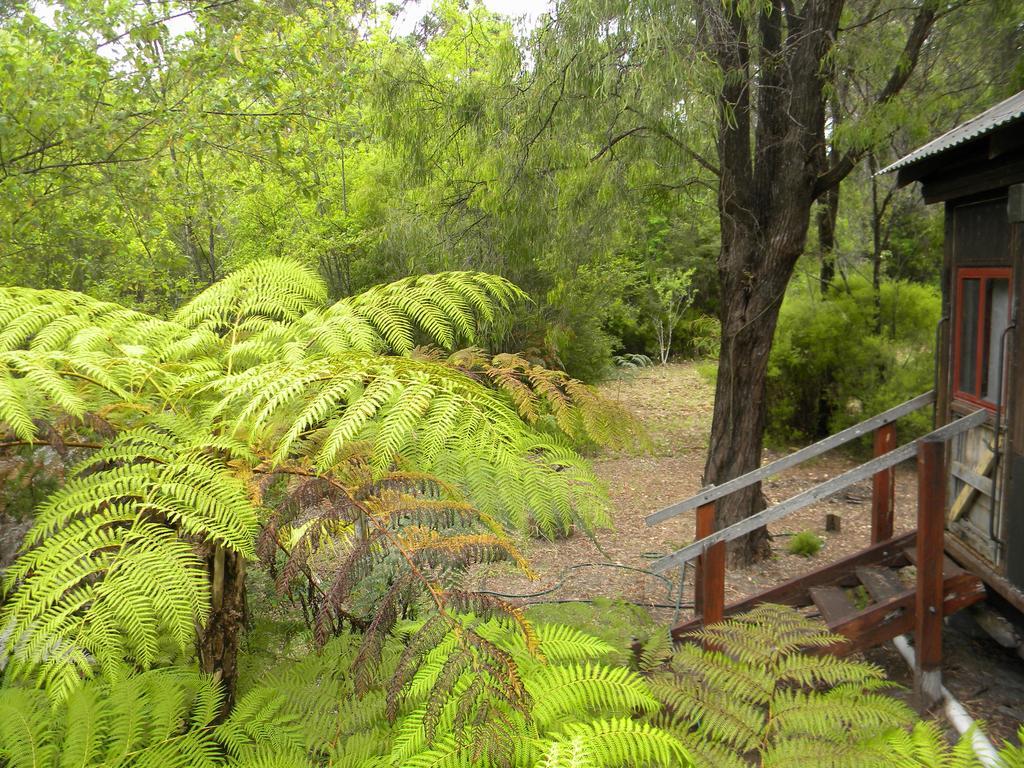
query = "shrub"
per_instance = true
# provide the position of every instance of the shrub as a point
(840, 357)
(700, 336)
(805, 544)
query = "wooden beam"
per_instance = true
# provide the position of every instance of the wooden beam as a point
(931, 505)
(897, 615)
(817, 493)
(975, 563)
(979, 482)
(716, 492)
(710, 580)
(970, 490)
(840, 573)
(883, 487)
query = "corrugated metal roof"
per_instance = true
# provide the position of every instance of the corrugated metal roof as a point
(1001, 114)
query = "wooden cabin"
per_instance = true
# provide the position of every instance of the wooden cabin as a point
(969, 540)
(977, 171)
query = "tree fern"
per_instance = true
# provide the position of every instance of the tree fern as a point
(493, 731)
(159, 719)
(256, 382)
(758, 692)
(108, 575)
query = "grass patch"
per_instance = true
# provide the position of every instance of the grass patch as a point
(805, 544)
(708, 370)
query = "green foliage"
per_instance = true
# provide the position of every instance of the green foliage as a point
(578, 712)
(805, 544)
(671, 295)
(163, 718)
(700, 335)
(926, 747)
(841, 357)
(761, 693)
(575, 704)
(616, 623)
(413, 464)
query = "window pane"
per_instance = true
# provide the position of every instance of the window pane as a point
(968, 334)
(997, 295)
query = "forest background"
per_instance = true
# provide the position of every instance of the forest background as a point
(141, 159)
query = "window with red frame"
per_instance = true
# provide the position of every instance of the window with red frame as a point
(982, 315)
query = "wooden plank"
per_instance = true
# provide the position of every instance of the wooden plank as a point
(795, 591)
(817, 493)
(980, 483)
(715, 492)
(833, 604)
(968, 492)
(881, 583)
(975, 563)
(710, 581)
(876, 624)
(928, 610)
(884, 620)
(949, 567)
(883, 487)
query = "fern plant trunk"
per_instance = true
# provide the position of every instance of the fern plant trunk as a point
(217, 642)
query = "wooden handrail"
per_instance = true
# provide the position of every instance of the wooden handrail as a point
(818, 492)
(716, 492)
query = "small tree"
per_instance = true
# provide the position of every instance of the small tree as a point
(672, 293)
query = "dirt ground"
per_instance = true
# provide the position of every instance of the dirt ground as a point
(674, 403)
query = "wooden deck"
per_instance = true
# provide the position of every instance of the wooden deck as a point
(867, 596)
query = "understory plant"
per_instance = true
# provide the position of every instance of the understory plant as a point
(363, 451)
(578, 712)
(757, 690)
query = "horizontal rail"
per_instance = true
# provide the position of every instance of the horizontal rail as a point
(715, 492)
(818, 492)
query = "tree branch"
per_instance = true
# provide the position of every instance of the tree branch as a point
(919, 32)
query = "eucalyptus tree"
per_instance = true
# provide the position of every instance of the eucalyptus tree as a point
(743, 95)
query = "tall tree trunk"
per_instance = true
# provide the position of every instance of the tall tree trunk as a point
(876, 243)
(771, 139)
(740, 414)
(218, 640)
(828, 213)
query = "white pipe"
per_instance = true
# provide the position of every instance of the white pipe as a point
(956, 713)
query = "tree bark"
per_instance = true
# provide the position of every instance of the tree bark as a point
(828, 213)
(769, 168)
(771, 139)
(218, 640)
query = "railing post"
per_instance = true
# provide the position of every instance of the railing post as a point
(931, 517)
(883, 487)
(709, 595)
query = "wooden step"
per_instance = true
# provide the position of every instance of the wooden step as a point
(881, 583)
(833, 604)
(949, 568)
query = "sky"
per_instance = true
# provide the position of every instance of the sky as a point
(525, 12)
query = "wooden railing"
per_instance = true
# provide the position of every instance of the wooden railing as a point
(709, 547)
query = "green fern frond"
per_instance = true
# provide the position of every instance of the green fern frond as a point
(562, 691)
(1012, 755)
(761, 692)
(611, 743)
(163, 718)
(444, 306)
(926, 746)
(107, 576)
(268, 289)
